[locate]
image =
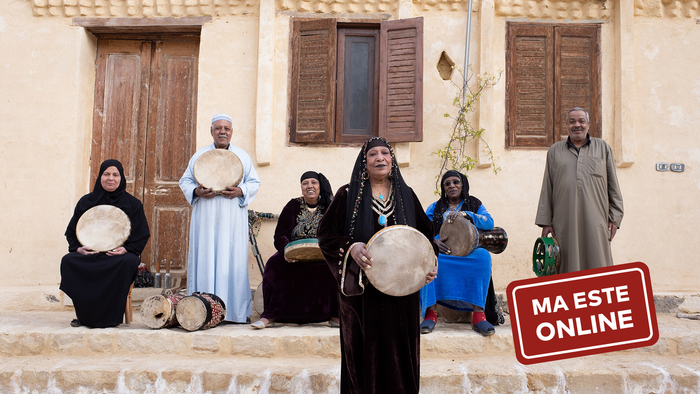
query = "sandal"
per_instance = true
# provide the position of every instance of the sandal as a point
(427, 326)
(333, 324)
(484, 328)
(261, 324)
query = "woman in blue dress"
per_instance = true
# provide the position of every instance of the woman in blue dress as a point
(463, 283)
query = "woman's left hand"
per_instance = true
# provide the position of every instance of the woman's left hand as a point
(116, 251)
(431, 275)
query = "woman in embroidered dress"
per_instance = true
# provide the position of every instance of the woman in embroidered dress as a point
(300, 292)
(379, 335)
(464, 283)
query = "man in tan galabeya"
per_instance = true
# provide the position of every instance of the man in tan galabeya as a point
(580, 202)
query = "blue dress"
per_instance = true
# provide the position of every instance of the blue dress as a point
(463, 281)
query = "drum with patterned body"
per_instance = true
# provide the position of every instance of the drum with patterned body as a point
(462, 237)
(303, 250)
(200, 311)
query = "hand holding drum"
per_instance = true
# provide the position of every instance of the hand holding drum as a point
(218, 172)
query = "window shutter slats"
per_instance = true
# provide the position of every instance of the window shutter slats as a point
(313, 80)
(401, 80)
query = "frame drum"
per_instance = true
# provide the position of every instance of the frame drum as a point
(462, 236)
(402, 257)
(103, 228)
(303, 250)
(217, 169)
(546, 256)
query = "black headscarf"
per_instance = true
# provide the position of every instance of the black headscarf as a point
(470, 204)
(118, 198)
(326, 195)
(359, 220)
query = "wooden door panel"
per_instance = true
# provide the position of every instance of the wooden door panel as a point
(170, 143)
(119, 121)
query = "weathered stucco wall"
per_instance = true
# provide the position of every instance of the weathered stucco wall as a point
(47, 89)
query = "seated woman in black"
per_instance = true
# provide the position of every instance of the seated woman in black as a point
(98, 283)
(300, 292)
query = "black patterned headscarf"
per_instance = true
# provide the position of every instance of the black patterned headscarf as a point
(470, 204)
(359, 219)
(326, 194)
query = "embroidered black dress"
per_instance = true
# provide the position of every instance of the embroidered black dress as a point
(300, 292)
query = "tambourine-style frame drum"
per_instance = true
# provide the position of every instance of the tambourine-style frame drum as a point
(158, 311)
(200, 311)
(103, 228)
(402, 257)
(217, 169)
(303, 250)
(463, 237)
(546, 256)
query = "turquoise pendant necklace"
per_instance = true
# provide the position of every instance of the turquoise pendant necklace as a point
(383, 208)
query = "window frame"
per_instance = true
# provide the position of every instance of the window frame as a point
(557, 97)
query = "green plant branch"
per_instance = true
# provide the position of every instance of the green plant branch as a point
(454, 155)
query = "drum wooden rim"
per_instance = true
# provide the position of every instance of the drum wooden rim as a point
(103, 228)
(303, 250)
(217, 169)
(402, 257)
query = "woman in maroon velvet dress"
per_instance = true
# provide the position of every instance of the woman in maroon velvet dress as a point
(380, 340)
(300, 292)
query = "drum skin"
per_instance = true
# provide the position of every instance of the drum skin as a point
(103, 228)
(200, 311)
(402, 257)
(461, 236)
(303, 250)
(158, 311)
(217, 169)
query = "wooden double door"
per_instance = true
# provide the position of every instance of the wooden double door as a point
(145, 117)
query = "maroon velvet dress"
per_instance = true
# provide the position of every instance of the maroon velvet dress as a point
(301, 292)
(379, 333)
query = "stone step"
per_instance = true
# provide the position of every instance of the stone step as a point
(608, 373)
(49, 334)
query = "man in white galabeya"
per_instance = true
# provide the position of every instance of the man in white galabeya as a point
(217, 261)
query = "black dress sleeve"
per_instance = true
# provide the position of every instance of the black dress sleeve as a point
(332, 239)
(139, 229)
(285, 224)
(423, 222)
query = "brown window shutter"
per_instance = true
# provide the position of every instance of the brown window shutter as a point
(313, 80)
(401, 80)
(576, 54)
(530, 87)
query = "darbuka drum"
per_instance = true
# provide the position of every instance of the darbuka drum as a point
(217, 169)
(495, 241)
(103, 228)
(303, 250)
(402, 257)
(158, 311)
(200, 311)
(461, 236)
(546, 256)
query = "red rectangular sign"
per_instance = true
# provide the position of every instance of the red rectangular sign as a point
(582, 313)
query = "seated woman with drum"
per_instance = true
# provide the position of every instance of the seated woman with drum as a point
(297, 286)
(464, 281)
(379, 334)
(106, 236)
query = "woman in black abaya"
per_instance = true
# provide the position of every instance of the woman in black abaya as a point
(98, 283)
(379, 337)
